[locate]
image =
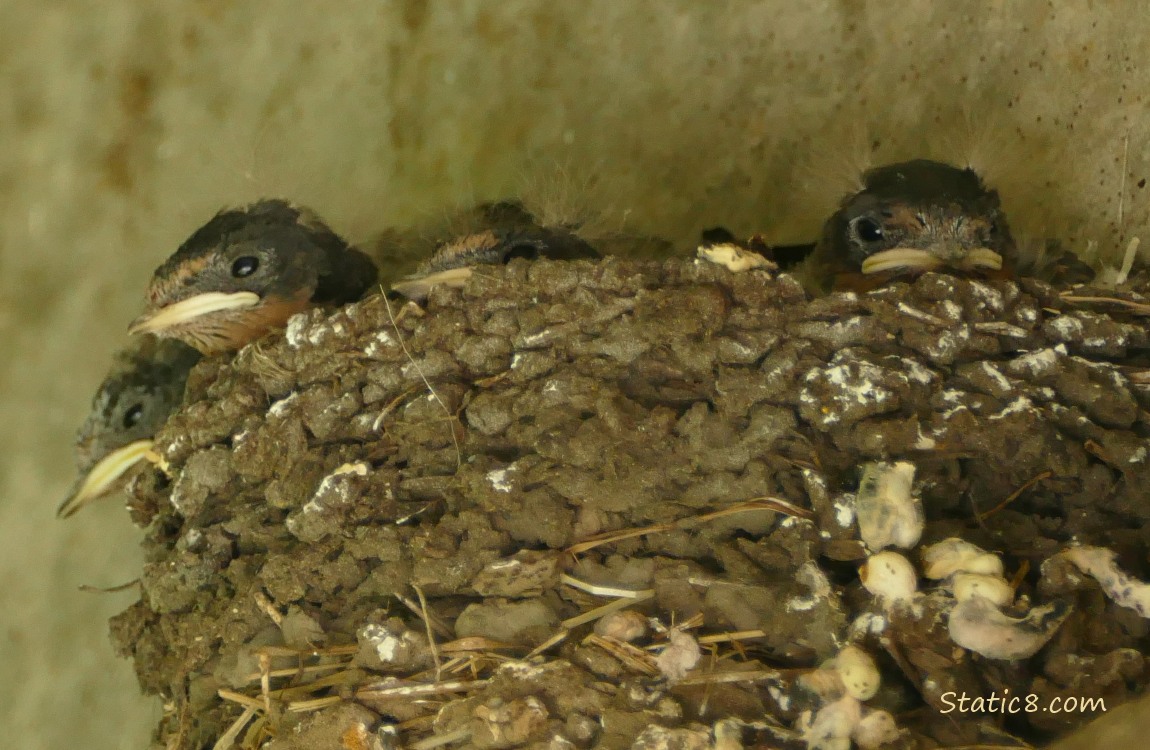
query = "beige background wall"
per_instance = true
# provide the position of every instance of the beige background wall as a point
(125, 123)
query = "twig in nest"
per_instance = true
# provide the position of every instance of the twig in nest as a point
(632, 656)
(1017, 579)
(265, 682)
(440, 740)
(606, 609)
(1128, 260)
(759, 503)
(346, 678)
(348, 649)
(430, 633)
(706, 701)
(411, 691)
(256, 734)
(391, 406)
(617, 536)
(183, 718)
(1138, 307)
(598, 590)
(738, 635)
(553, 640)
(295, 671)
(711, 678)
(315, 704)
(420, 612)
(472, 661)
(473, 643)
(1095, 449)
(418, 724)
(1014, 495)
(489, 381)
(694, 621)
(228, 738)
(457, 664)
(426, 382)
(407, 519)
(1000, 328)
(244, 700)
(268, 608)
(110, 589)
(925, 317)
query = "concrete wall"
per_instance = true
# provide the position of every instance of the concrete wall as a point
(124, 124)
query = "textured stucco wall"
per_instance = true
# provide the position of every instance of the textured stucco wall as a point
(125, 124)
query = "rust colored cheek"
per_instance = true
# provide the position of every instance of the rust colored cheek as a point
(273, 313)
(216, 334)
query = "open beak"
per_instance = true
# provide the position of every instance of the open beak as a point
(191, 308)
(979, 258)
(103, 475)
(418, 288)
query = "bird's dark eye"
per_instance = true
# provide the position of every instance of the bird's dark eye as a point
(245, 266)
(868, 229)
(132, 416)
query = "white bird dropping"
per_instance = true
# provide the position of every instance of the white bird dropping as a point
(889, 515)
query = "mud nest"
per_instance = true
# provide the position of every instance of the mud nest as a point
(394, 526)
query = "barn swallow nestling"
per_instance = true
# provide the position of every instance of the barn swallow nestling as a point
(909, 218)
(408, 248)
(145, 386)
(246, 272)
(453, 262)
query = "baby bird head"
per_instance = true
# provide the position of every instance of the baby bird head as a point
(918, 216)
(130, 406)
(246, 272)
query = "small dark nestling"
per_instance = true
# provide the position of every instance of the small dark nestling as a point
(511, 233)
(909, 218)
(144, 387)
(246, 272)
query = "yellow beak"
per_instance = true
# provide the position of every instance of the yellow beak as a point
(419, 288)
(101, 476)
(924, 260)
(191, 308)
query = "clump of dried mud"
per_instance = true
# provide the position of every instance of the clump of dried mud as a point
(365, 531)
